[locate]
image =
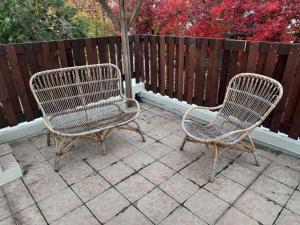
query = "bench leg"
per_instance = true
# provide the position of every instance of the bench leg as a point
(139, 130)
(215, 162)
(253, 150)
(48, 138)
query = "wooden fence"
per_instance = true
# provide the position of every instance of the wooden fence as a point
(195, 70)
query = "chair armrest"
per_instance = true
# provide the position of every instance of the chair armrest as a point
(136, 103)
(200, 107)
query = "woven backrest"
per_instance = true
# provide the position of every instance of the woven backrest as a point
(249, 99)
(70, 89)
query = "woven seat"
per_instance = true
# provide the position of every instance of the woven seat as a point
(83, 102)
(249, 99)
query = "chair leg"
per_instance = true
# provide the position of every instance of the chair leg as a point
(215, 163)
(139, 130)
(56, 163)
(183, 143)
(103, 148)
(254, 150)
(48, 138)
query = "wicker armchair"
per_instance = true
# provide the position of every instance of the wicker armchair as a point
(83, 102)
(248, 101)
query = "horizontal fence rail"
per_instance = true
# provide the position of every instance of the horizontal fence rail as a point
(195, 70)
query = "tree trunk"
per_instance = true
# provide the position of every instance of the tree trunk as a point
(125, 48)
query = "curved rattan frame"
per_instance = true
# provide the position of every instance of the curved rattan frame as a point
(75, 100)
(264, 98)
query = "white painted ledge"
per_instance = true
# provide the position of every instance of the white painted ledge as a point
(261, 135)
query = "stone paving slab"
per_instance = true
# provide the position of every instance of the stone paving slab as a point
(152, 182)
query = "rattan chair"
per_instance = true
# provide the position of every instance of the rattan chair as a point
(83, 102)
(249, 99)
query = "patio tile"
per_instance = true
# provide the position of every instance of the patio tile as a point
(37, 172)
(157, 150)
(11, 186)
(197, 173)
(173, 141)
(31, 216)
(138, 160)
(90, 187)
(179, 188)
(87, 149)
(232, 153)
(121, 149)
(207, 206)
(258, 207)
(131, 216)
(157, 172)
(40, 141)
(20, 198)
(79, 216)
(100, 162)
(268, 154)
(116, 172)
(4, 210)
(240, 174)
(107, 205)
(289, 161)
(176, 160)
(59, 204)
(236, 217)
(145, 115)
(41, 188)
(287, 218)
(8, 221)
(294, 203)
(163, 131)
(67, 159)
(138, 142)
(182, 216)
(75, 172)
(225, 188)
(283, 174)
(134, 187)
(272, 189)
(207, 161)
(247, 160)
(156, 205)
(48, 151)
(125, 134)
(26, 153)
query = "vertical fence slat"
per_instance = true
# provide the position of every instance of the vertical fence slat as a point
(213, 72)
(153, 58)
(78, 52)
(162, 65)
(112, 50)
(179, 68)
(170, 66)
(19, 81)
(287, 80)
(146, 58)
(91, 50)
(103, 49)
(252, 57)
(271, 59)
(201, 58)
(189, 88)
(137, 59)
(119, 52)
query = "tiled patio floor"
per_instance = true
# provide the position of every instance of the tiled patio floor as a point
(140, 183)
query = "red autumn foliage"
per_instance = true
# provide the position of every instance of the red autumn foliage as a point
(268, 20)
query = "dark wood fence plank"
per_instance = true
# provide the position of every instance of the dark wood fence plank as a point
(295, 128)
(137, 59)
(213, 72)
(201, 59)
(287, 79)
(112, 50)
(103, 49)
(271, 59)
(179, 67)
(91, 51)
(153, 59)
(19, 81)
(78, 52)
(162, 65)
(146, 59)
(252, 57)
(190, 72)
(170, 66)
